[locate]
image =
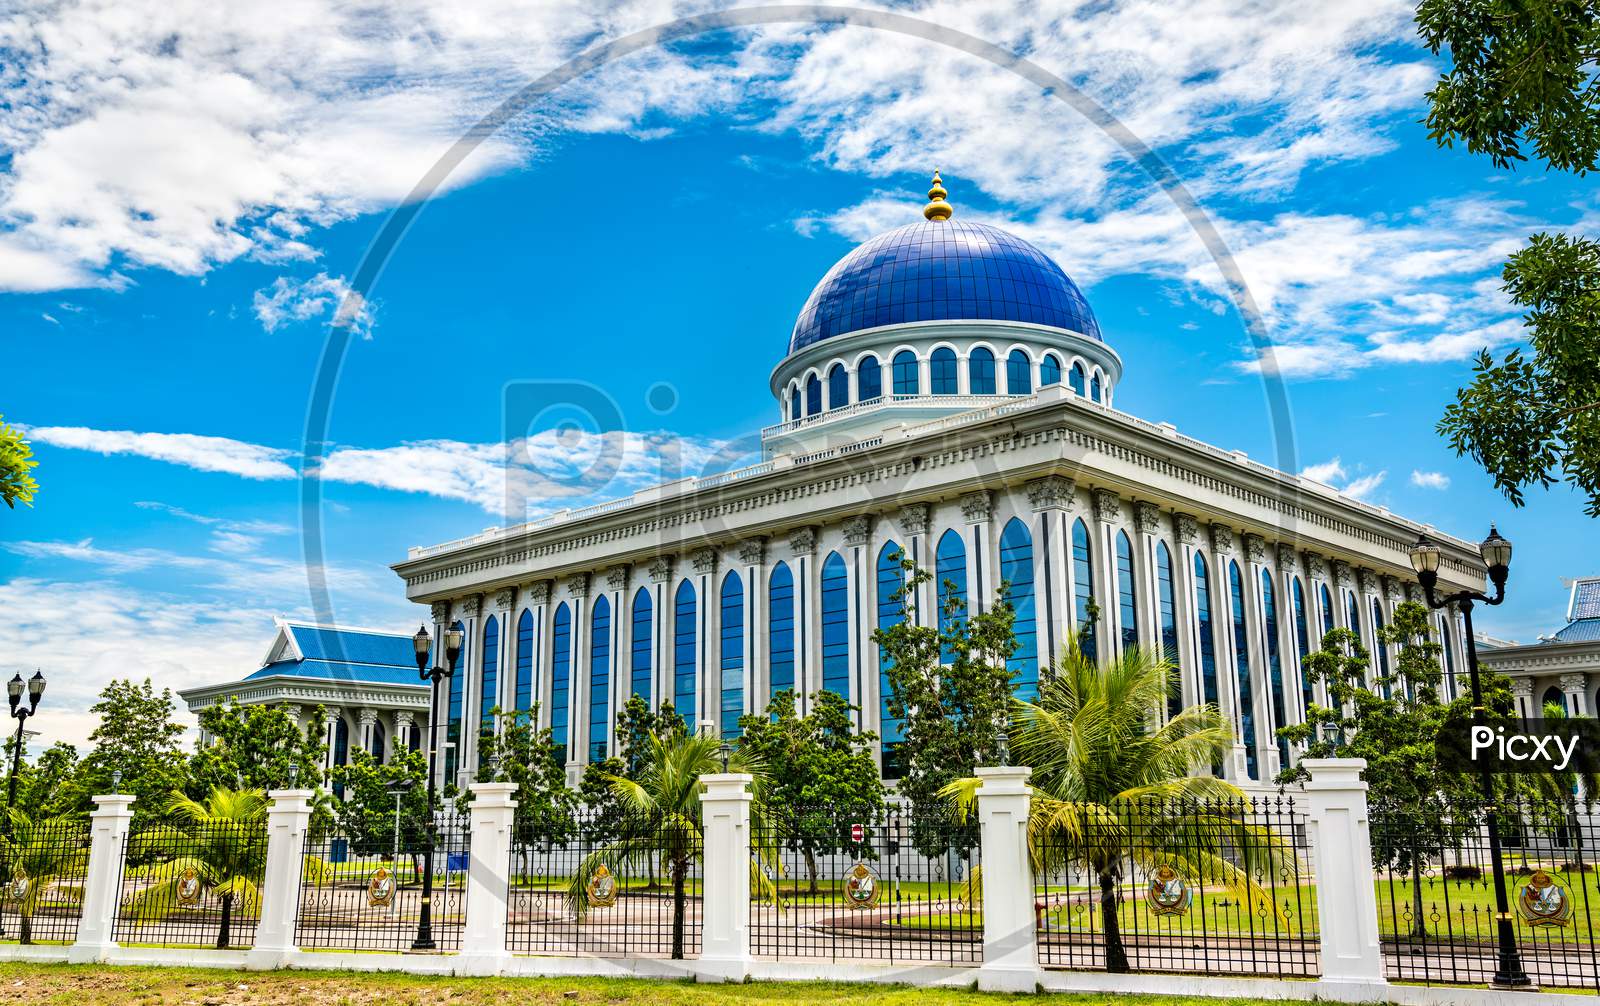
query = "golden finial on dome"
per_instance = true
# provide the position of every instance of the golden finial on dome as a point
(937, 208)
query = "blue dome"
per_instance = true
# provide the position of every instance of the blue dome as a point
(942, 271)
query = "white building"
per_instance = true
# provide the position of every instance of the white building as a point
(1562, 668)
(946, 393)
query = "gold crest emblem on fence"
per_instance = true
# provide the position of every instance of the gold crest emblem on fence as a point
(861, 888)
(19, 887)
(189, 887)
(1167, 893)
(1544, 902)
(602, 888)
(380, 888)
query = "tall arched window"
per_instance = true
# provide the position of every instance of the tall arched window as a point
(684, 642)
(1241, 661)
(1078, 379)
(488, 684)
(869, 379)
(891, 579)
(1167, 607)
(838, 387)
(341, 749)
(643, 622)
(907, 381)
(732, 654)
(980, 371)
(1327, 612)
(1553, 696)
(599, 677)
(1353, 610)
(813, 395)
(1019, 373)
(1203, 632)
(522, 699)
(1302, 636)
(1083, 587)
(1127, 605)
(780, 630)
(452, 723)
(380, 737)
(560, 673)
(1016, 571)
(1449, 661)
(1094, 386)
(794, 403)
(1280, 701)
(950, 582)
(1382, 647)
(1049, 370)
(835, 627)
(942, 371)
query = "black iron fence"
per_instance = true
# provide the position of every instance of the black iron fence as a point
(192, 883)
(604, 882)
(42, 868)
(365, 891)
(1437, 911)
(871, 885)
(1202, 886)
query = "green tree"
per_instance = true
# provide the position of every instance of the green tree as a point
(49, 785)
(522, 753)
(16, 467)
(37, 852)
(138, 738)
(1113, 786)
(223, 840)
(366, 813)
(637, 723)
(950, 688)
(257, 747)
(819, 772)
(1523, 75)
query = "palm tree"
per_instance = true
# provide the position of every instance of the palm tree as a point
(36, 854)
(1113, 787)
(662, 821)
(223, 841)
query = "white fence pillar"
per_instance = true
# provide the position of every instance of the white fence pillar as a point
(725, 892)
(102, 882)
(1341, 858)
(483, 939)
(1010, 943)
(287, 821)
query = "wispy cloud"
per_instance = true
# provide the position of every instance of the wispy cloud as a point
(1332, 473)
(1326, 472)
(288, 300)
(1364, 486)
(1430, 480)
(192, 450)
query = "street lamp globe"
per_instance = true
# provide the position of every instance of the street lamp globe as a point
(14, 689)
(1425, 556)
(453, 638)
(36, 688)
(422, 644)
(1496, 552)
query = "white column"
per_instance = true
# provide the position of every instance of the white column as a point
(977, 509)
(1341, 862)
(621, 653)
(102, 882)
(1108, 516)
(483, 937)
(287, 821)
(756, 682)
(578, 680)
(862, 609)
(1574, 687)
(367, 720)
(1010, 943)
(1049, 497)
(807, 619)
(1219, 592)
(399, 734)
(725, 925)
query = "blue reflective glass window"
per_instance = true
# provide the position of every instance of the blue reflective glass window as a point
(869, 379)
(780, 630)
(1078, 379)
(599, 677)
(1168, 609)
(980, 372)
(643, 620)
(1016, 571)
(1280, 701)
(794, 403)
(488, 683)
(560, 673)
(732, 653)
(813, 395)
(1127, 603)
(1203, 630)
(1246, 721)
(835, 626)
(907, 381)
(1302, 636)
(1449, 661)
(1382, 648)
(523, 701)
(891, 578)
(838, 387)
(684, 642)
(1049, 370)
(452, 728)
(950, 579)
(942, 371)
(1083, 587)
(1094, 388)
(1019, 373)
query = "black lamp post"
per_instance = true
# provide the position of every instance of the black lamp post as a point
(1496, 552)
(439, 672)
(14, 689)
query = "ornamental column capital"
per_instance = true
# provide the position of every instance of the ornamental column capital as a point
(1575, 682)
(1107, 506)
(617, 577)
(505, 597)
(1221, 538)
(1147, 518)
(468, 607)
(1053, 492)
(976, 507)
(1316, 566)
(661, 569)
(539, 592)
(1187, 528)
(857, 530)
(1255, 549)
(1369, 582)
(704, 560)
(1288, 558)
(1522, 687)
(803, 541)
(914, 519)
(753, 551)
(578, 585)
(440, 611)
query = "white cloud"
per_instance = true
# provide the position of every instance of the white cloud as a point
(1326, 473)
(1332, 472)
(203, 453)
(1364, 486)
(287, 301)
(1430, 480)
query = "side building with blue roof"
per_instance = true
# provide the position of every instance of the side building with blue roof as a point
(1562, 668)
(364, 679)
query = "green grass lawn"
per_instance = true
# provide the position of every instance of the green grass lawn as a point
(74, 985)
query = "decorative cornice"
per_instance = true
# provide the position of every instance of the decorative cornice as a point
(1221, 538)
(1288, 558)
(1107, 507)
(1053, 492)
(505, 597)
(977, 506)
(441, 611)
(617, 577)
(661, 569)
(803, 541)
(1369, 582)
(1186, 528)
(468, 607)
(1147, 518)
(539, 592)
(857, 530)
(753, 551)
(914, 519)
(704, 560)
(1255, 549)
(578, 585)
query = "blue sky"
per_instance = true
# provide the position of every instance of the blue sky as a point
(184, 192)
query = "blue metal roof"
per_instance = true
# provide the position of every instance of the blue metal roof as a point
(942, 271)
(1586, 599)
(320, 643)
(340, 670)
(1579, 630)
